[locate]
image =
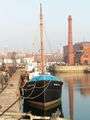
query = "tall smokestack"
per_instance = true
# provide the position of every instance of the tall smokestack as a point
(70, 42)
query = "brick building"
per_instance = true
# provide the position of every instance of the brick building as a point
(81, 52)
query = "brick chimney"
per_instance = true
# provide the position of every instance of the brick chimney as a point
(70, 42)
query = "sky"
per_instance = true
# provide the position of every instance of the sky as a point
(19, 23)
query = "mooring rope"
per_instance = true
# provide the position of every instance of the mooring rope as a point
(32, 89)
(38, 94)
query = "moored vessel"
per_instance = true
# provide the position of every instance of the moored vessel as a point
(87, 70)
(42, 91)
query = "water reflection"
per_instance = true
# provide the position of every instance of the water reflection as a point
(85, 85)
(77, 86)
(71, 98)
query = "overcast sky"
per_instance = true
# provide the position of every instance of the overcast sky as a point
(19, 22)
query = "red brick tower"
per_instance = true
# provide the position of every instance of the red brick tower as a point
(70, 42)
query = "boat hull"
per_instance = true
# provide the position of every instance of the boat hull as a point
(43, 94)
(87, 71)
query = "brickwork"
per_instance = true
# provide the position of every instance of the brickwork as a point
(70, 42)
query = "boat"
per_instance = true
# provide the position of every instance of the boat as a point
(44, 90)
(87, 70)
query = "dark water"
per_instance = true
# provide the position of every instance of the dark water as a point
(76, 96)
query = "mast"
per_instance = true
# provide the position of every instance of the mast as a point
(42, 42)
